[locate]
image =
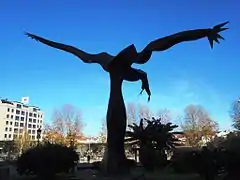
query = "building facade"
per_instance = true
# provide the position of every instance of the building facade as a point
(17, 118)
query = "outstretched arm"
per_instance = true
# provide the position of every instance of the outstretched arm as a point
(132, 74)
(101, 58)
(167, 42)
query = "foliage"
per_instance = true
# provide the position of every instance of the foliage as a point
(66, 126)
(198, 126)
(154, 140)
(8, 146)
(46, 160)
(227, 155)
(184, 159)
(155, 134)
(103, 133)
(23, 142)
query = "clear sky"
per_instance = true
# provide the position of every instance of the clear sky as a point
(189, 73)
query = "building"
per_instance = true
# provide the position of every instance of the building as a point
(17, 118)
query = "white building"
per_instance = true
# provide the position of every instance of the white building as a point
(17, 118)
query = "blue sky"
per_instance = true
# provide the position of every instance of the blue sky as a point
(189, 73)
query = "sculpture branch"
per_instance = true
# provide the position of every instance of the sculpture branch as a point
(101, 58)
(167, 42)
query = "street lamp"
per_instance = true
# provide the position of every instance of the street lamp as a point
(39, 131)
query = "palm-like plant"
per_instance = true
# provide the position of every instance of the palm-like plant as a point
(154, 138)
(155, 134)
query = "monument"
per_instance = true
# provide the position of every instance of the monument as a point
(119, 69)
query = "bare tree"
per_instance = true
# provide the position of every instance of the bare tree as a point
(144, 112)
(235, 114)
(66, 126)
(164, 115)
(103, 132)
(131, 114)
(23, 142)
(135, 112)
(198, 125)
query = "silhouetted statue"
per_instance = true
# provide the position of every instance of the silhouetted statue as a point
(119, 68)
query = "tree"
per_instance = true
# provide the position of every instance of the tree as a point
(235, 114)
(131, 114)
(66, 127)
(136, 112)
(154, 140)
(103, 132)
(197, 125)
(23, 142)
(164, 115)
(144, 112)
(120, 68)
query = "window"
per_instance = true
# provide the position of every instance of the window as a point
(29, 126)
(5, 135)
(12, 110)
(33, 137)
(34, 126)
(19, 106)
(21, 124)
(33, 131)
(11, 123)
(29, 131)
(22, 118)
(38, 116)
(38, 120)
(16, 124)
(15, 136)
(8, 109)
(6, 129)
(16, 117)
(7, 116)
(37, 126)
(34, 115)
(15, 130)
(6, 122)
(23, 113)
(34, 110)
(20, 136)
(30, 114)
(40, 126)
(20, 130)
(30, 119)
(34, 120)
(11, 116)
(10, 129)
(9, 136)
(17, 112)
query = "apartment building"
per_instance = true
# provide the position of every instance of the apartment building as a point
(17, 118)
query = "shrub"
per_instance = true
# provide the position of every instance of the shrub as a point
(47, 160)
(184, 160)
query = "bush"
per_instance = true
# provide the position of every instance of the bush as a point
(47, 160)
(184, 160)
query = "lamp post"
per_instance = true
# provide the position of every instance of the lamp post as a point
(38, 135)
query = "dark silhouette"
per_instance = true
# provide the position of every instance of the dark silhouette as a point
(88, 158)
(119, 68)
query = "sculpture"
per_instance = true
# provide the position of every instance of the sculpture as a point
(119, 69)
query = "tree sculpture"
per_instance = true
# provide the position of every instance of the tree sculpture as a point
(119, 69)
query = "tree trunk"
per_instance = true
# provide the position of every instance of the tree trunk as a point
(114, 156)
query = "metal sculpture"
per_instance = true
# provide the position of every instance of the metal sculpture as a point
(119, 69)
